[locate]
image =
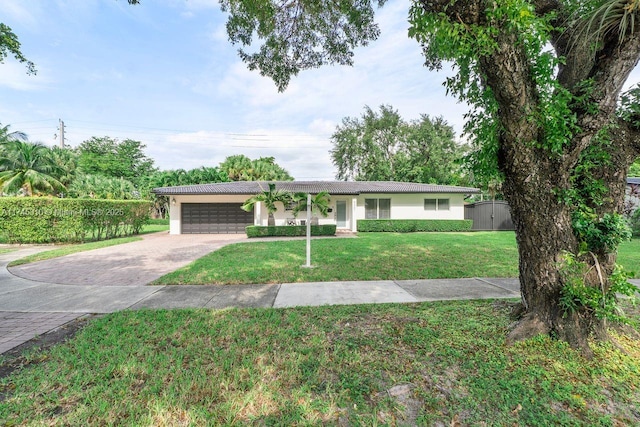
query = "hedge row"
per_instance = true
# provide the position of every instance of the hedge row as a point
(290, 230)
(411, 225)
(51, 220)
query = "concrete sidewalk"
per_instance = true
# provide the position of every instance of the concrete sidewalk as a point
(29, 308)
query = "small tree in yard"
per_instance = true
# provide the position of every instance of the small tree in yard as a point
(319, 203)
(269, 198)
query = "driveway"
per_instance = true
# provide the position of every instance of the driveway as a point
(129, 264)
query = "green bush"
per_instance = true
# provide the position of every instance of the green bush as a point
(51, 220)
(412, 225)
(290, 230)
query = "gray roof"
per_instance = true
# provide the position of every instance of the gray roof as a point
(633, 180)
(314, 187)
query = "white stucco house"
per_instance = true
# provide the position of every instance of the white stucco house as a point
(215, 208)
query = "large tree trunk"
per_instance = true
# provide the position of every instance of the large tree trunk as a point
(537, 175)
(544, 234)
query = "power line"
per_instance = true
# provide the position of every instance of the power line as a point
(232, 134)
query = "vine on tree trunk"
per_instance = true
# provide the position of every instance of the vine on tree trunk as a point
(601, 301)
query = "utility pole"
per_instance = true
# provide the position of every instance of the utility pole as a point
(61, 129)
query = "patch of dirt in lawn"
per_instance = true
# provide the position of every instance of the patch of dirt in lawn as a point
(15, 358)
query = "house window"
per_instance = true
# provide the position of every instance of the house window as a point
(436, 204)
(371, 208)
(377, 208)
(430, 204)
(384, 208)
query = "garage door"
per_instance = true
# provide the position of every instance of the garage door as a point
(214, 218)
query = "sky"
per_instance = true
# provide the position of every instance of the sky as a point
(164, 73)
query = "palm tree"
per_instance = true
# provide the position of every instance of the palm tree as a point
(269, 198)
(102, 187)
(237, 167)
(28, 167)
(5, 135)
(319, 203)
(66, 161)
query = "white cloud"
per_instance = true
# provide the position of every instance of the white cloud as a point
(254, 89)
(304, 155)
(322, 127)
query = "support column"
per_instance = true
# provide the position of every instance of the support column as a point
(354, 207)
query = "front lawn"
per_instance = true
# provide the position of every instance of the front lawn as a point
(442, 363)
(629, 256)
(370, 256)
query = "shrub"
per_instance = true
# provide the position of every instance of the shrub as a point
(51, 220)
(290, 230)
(412, 225)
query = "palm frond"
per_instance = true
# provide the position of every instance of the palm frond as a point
(611, 17)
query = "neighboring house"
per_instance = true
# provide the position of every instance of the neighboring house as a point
(215, 208)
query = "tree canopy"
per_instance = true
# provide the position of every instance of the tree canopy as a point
(299, 35)
(241, 168)
(113, 158)
(10, 46)
(384, 147)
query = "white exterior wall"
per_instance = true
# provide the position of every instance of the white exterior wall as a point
(403, 206)
(411, 206)
(175, 211)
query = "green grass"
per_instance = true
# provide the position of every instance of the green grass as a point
(6, 250)
(154, 228)
(322, 366)
(629, 256)
(371, 256)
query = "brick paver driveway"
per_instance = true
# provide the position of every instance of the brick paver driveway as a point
(129, 264)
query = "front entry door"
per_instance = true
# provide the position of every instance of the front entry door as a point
(341, 214)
